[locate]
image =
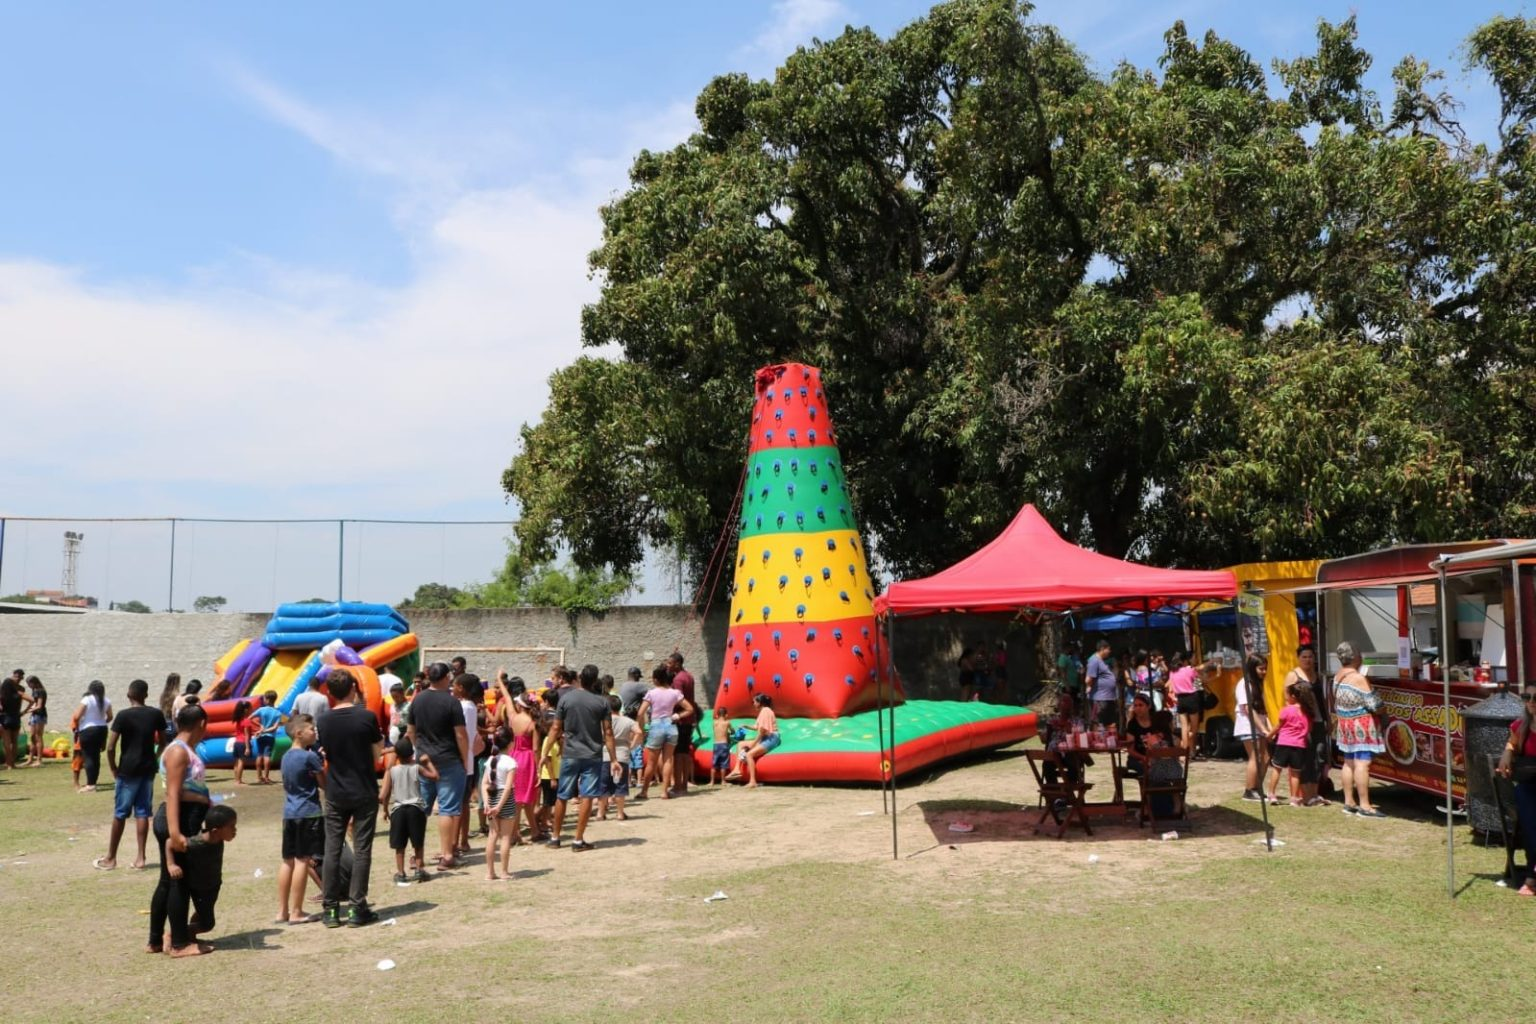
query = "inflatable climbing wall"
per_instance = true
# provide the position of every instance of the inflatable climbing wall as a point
(802, 605)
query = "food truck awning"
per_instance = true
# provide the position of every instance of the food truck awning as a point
(1373, 581)
(1497, 553)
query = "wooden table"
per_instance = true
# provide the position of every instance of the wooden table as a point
(1115, 753)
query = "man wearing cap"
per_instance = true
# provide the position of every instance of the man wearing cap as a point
(399, 707)
(312, 702)
(682, 758)
(632, 692)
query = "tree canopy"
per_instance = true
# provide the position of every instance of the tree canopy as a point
(1201, 313)
(522, 583)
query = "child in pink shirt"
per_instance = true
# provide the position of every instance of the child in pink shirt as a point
(1290, 735)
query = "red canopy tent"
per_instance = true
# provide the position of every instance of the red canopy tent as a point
(1030, 569)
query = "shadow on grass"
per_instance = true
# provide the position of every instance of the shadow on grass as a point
(999, 821)
(254, 939)
(530, 872)
(404, 909)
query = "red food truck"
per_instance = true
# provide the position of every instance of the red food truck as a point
(1478, 632)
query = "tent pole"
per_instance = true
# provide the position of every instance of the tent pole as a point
(1447, 625)
(880, 724)
(890, 638)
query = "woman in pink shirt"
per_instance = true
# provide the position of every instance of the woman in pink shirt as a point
(659, 712)
(1186, 701)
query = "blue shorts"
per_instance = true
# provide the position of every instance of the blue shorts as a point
(609, 786)
(769, 742)
(238, 751)
(722, 757)
(133, 797)
(262, 746)
(662, 734)
(636, 758)
(447, 789)
(580, 776)
(1357, 755)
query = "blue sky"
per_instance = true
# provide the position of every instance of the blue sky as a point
(294, 260)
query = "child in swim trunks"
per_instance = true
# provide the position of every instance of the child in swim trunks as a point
(720, 762)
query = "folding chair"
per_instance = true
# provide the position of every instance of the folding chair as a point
(1061, 797)
(1165, 774)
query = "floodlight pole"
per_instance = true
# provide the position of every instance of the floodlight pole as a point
(341, 556)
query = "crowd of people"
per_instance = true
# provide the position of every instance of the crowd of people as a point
(1146, 693)
(509, 757)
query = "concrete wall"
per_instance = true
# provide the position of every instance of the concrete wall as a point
(68, 651)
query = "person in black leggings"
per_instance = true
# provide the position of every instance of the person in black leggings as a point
(93, 734)
(186, 804)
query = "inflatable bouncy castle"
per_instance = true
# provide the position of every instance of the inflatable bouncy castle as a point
(303, 641)
(802, 621)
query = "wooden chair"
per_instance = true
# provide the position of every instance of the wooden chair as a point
(1158, 779)
(1061, 796)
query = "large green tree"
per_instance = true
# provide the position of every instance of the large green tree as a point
(1192, 317)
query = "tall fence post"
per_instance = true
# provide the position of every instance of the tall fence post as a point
(170, 591)
(341, 556)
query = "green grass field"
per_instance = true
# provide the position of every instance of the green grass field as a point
(1348, 921)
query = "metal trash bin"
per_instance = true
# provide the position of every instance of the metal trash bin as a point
(1486, 724)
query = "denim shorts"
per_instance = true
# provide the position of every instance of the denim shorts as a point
(447, 789)
(609, 786)
(262, 746)
(133, 797)
(580, 776)
(722, 757)
(662, 734)
(769, 742)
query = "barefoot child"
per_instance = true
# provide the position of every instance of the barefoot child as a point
(401, 800)
(197, 874)
(303, 821)
(266, 739)
(246, 729)
(613, 783)
(496, 803)
(720, 763)
(754, 747)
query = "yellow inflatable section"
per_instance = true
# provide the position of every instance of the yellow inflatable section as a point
(279, 673)
(813, 577)
(221, 665)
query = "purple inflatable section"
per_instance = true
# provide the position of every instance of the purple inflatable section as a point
(247, 668)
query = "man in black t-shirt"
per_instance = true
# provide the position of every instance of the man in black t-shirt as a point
(133, 755)
(350, 736)
(437, 730)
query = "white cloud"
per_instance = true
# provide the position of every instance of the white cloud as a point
(793, 24)
(233, 381)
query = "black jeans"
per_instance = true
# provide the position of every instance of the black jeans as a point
(363, 817)
(162, 905)
(93, 740)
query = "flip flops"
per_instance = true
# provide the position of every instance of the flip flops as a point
(100, 864)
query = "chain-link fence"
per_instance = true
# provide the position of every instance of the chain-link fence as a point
(253, 565)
